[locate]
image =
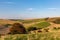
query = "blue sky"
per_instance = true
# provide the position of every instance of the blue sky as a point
(23, 9)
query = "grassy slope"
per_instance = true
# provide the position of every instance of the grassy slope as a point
(40, 36)
(26, 23)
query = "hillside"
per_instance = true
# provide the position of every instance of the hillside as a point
(26, 22)
(30, 22)
(5, 21)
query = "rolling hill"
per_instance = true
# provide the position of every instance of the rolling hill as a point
(27, 22)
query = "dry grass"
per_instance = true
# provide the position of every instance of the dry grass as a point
(39, 36)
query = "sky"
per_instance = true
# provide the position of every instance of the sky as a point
(25, 9)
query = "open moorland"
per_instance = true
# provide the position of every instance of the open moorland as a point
(37, 29)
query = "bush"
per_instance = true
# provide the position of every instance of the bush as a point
(42, 25)
(32, 28)
(17, 28)
(56, 28)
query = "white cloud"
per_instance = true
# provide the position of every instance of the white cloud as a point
(30, 9)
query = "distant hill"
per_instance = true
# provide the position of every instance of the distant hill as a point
(11, 21)
(27, 22)
(6, 21)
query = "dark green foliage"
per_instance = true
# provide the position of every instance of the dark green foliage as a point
(32, 28)
(17, 28)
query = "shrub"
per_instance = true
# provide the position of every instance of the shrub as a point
(17, 28)
(56, 28)
(32, 28)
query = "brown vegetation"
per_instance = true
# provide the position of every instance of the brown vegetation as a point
(17, 28)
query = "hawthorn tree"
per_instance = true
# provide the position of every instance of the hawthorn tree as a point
(17, 28)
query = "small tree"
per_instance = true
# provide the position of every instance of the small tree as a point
(17, 28)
